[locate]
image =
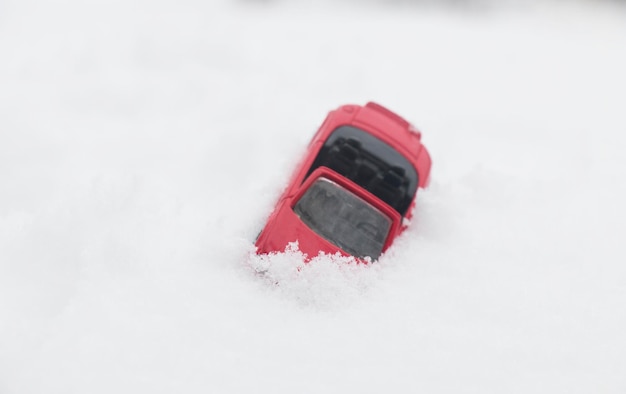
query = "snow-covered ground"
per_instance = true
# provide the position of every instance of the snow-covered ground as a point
(142, 145)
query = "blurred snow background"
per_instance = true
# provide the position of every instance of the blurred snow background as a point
(142, 145)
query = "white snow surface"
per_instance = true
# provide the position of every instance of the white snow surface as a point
(143, 144)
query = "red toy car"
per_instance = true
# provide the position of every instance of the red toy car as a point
(355, 189)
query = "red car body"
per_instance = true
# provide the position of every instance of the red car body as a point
(355, 188)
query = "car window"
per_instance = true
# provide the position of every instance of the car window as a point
(344, 219)
(372, 164)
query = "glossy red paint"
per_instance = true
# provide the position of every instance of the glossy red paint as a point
(284, 226)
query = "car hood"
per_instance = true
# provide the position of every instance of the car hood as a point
(287, 228)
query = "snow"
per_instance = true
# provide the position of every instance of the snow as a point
(142, 146)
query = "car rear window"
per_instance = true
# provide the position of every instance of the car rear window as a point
(344, 219)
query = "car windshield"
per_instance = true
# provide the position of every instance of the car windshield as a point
(344, 219)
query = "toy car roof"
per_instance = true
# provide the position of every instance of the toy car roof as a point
(371, 163)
